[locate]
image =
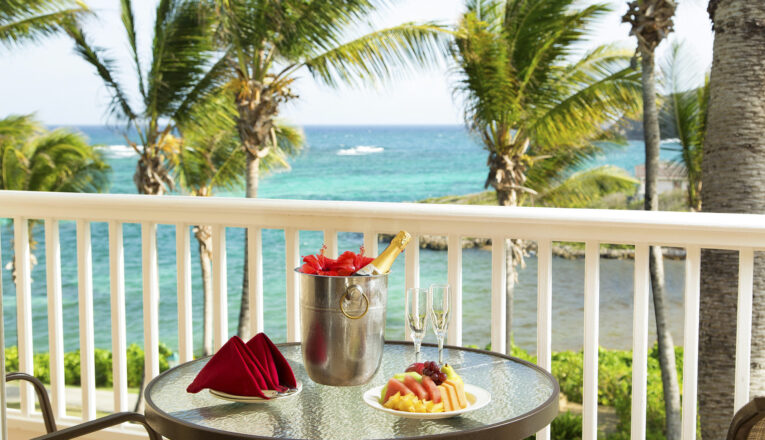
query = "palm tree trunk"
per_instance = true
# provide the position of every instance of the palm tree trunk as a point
(203, 235)
(253, 176)
(656, 262)
(734, 174)
(151, 176)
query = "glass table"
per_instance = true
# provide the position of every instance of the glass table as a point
(524, 399)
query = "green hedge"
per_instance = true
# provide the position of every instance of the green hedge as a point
(103, 364)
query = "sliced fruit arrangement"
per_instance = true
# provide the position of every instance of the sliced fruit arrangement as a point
(425, 387)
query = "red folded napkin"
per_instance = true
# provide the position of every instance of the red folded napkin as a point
(275, 367)
(233, 370)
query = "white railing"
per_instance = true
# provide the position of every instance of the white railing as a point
(693, 231)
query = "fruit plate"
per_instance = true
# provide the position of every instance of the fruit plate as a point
(272, 394)
(477, 398)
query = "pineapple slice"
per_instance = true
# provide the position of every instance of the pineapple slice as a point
(410, 403)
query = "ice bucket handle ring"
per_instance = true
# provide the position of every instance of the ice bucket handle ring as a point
(354, 291)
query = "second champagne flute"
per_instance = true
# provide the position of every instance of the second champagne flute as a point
(416, 315)
(438, 308)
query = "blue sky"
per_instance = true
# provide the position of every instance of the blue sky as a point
(51, 81)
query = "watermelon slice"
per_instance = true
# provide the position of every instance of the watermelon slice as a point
(430, 386)
(396, 386)
(416, 387)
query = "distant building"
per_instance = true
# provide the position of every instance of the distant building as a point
(671, 177)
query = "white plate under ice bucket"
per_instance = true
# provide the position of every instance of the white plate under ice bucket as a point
(477, 398)
(272, 394)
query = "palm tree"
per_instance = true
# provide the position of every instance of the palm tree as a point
(733, 179)
(209, 158)
(33, 159)
(272, 42)
(525, 99)
(180, 71)
(683, 115)
(651, 22)
(23, 21)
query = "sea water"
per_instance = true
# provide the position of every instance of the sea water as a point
(381, 163)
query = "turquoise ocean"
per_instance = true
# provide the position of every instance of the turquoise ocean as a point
(357, 163)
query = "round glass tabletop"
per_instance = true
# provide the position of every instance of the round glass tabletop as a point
(524, 398)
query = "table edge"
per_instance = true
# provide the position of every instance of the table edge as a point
(519, 427)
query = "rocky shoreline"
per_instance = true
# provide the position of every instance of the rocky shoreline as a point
(570, 252)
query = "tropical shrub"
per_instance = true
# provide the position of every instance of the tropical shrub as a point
(103, 365)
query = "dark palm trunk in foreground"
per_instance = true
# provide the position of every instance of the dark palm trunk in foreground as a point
(734, 178)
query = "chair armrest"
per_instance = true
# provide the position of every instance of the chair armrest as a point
(42, 397)
(100, 424)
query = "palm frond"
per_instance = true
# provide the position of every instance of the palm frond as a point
(683, 113)
(381, 55)
(591, 96)
(128, 21)
(290, 141)
(581, 189)
(30, 21)
(105, 66)
(180, 52)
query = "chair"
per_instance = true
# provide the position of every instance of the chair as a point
(749, 422)
(83, 428)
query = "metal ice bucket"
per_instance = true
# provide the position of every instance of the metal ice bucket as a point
(342, 322)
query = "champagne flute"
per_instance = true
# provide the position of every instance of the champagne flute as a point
(416, 315)
(438, 308)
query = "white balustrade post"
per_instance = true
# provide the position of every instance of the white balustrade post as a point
(24, 309)
(150, 301)
(185, 316)
(55, 317)
(411, 273)
(544, 313)
(220, 287)
(591, 318)
(255, 278)
(330, 240)
(292, 260)
(117, 300)
(744, 327)
(640, 342)
(498, 295)
(370, 244)
(454, 333)
(691, 342)
(87, 337)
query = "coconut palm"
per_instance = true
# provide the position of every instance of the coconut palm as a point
(34, 159)
(179, 71)
(733, 182)
(271, 43)
(23, 21)
(683, 114)
(209, 158)
(525, 99)
(651, 22)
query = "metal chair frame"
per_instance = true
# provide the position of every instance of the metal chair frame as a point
(83, 428)
(746, 418)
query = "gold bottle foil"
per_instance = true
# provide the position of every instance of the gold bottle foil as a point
(384, 261)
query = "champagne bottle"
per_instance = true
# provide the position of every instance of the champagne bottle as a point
(384, 261)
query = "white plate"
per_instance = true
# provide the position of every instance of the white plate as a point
(272, 394)
(477, 398)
